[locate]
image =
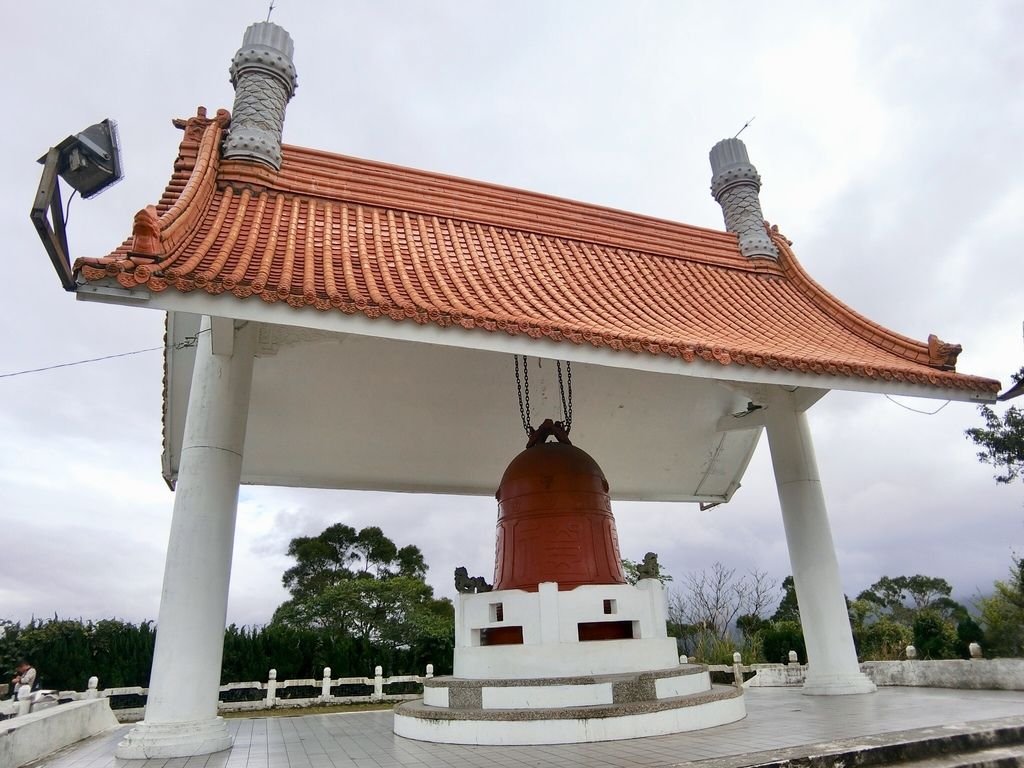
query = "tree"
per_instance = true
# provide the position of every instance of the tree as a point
(321, 560)
(934, 636)
(361, 584)
(1002, 445)
(969, 631)
(783, 632)
(780, 637)
(1002, 439)
(340, 552)
(750, 625)
(789, 609)
(713, 599)
(903, 597)
(710, 603)
(1002, 614)
(897, 611)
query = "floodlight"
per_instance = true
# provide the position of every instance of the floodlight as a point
(89, 162)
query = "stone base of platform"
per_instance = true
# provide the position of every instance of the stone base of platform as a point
(568, 710)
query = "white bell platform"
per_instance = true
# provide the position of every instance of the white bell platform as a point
(592, 663)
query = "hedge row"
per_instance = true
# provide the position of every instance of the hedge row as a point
(66, 652)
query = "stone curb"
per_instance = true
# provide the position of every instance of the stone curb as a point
(885, 748)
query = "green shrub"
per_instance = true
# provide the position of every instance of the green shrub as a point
(67, 653)
(781, 637)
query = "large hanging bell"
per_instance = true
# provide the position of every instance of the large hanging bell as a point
(555, 518)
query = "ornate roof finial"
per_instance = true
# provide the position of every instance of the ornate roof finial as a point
(735, 184)
(264, 77)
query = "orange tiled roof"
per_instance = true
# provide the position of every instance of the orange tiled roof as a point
(333, 233)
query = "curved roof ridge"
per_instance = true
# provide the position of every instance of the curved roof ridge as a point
(176, 224)
(866, 329)
(181, 207)
(309, 172)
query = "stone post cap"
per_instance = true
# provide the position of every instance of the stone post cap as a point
(267, 47)
(730, 165)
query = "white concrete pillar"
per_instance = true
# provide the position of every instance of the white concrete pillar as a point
(832, 666)
(181, 711)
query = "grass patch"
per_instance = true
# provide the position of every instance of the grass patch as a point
(328, 709)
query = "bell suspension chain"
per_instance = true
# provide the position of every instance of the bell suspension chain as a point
(566, 401)
(523, 392)
(524, 412)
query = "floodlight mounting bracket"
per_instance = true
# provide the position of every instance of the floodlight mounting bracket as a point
(53, 235)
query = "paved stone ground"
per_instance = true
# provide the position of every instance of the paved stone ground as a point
(776, 718)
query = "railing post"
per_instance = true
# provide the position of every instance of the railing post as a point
(793, 658)
(430, 671)
(378, 683)
(737, 669)
(271, 688)
(911, 653)
(24, 700)
(92, 692)
(975, 650)
(325, 687)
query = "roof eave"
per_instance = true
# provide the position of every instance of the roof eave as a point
(200, 303)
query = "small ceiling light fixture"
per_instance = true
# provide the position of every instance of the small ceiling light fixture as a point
(89, 162)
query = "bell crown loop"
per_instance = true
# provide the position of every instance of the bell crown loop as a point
(547, 429)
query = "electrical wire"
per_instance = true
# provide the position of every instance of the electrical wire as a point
(190, 341)
(67, 208)
(916, 410)
(77, 362)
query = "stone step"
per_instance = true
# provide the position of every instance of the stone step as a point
(985, 744)
(619, 677)
(994, 757)
(571, 724)
(576, 691)
(718, 693)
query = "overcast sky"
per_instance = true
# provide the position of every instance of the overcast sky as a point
(889, 141)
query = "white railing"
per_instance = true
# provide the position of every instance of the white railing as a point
(269, 693)
(25, 700)
(791, 673)
(737, 668)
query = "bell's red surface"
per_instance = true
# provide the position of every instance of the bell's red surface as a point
(555, 521)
